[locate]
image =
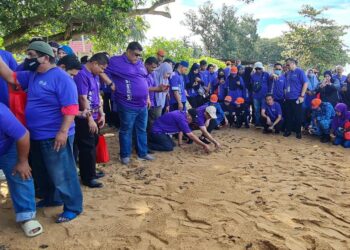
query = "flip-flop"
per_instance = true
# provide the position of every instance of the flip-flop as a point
(66, 216)
(32, 228)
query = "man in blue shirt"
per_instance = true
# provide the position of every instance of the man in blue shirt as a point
(10, 61)
(177, 88)
(339, 78)
(260, 82)
(271, 115)
(295, 89)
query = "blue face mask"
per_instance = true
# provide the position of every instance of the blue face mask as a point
(278, 72)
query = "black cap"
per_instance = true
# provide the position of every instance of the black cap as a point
(193, 113)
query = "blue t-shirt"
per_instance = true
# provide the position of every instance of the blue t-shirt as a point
(260, 83)
(48, 93)
(294, 83)
(11, 130)
(201, 115)
(7, 57)
(205, 77)
(177, 83)
(277, 87)
(272, 111)
(171, 123)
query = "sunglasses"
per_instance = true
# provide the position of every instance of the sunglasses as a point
(258, 68)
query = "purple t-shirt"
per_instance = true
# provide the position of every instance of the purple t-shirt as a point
(8, 58)
(130, 81)
(177, 83)
(171, 123)
(272, 111)
(11, 130)
(294, 83)
(89, 85)
(48, 93)
(151, 83)
(261, 80)
(201, 115)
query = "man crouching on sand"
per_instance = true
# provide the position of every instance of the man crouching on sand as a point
(172, 123)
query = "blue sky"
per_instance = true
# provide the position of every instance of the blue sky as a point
(271, 13)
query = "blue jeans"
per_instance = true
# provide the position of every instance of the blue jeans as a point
(56, 175)
(257, 110)
(339, 140)
(131, 118)
(323, 127)
(160, 142)
(22, 191)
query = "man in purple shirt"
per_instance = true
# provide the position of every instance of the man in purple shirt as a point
(8, 58)
(88, 85)
(295, 88)
(132, 97)
(51, 107)
(175, 122)
(14, 150)
(271, 115)
(177, 88)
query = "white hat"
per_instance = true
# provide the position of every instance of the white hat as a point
(258, 65)
(211, 110)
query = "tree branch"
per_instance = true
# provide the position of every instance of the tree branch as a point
(152, 10)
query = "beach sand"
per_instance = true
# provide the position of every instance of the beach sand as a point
(257, 192)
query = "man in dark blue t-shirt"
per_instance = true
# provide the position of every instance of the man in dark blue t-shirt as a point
(271, 115)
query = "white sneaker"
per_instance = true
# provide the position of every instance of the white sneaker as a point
(2, 176)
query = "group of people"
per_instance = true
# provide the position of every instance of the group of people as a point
(152, 102)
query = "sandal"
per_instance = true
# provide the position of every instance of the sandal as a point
(66, 216)
(32, 228)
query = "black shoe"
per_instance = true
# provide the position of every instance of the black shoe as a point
(277, 132)
(247, 126)
(298, 136)
(99, 174)
(287, 134)
(325, 138)
(266, 131)
(93, 184)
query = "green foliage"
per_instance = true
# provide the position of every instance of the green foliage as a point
(316, 42)
(223, 33)
(268, 51)
(109, 23)
(175, 49)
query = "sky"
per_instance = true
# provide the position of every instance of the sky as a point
(272, 15)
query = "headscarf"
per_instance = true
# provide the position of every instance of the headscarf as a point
(67, 49)
(192, 75)
(164, 68)
(312, 82)
(339, 121)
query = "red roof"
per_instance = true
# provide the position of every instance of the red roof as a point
(78, 47)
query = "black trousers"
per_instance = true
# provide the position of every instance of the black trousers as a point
(86, 143)
(160, 142)
(294, 116)
(212, 125)
(278, 126)
(195, 101)
(107, 107)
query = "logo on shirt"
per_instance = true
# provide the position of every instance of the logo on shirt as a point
(42, 83)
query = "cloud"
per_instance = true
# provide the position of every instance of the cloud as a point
(273, 30)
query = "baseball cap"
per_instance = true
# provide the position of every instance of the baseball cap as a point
(239, 101)
(42, 47)
(228, 99)
(315, 103)
(214, 98)
(211, 110)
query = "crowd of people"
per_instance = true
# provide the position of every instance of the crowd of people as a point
(155, 103)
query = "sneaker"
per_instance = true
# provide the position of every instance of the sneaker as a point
(125, 160)
(2, 176)
(287, 134)
(147, 157)
(204, 140)
(298, 136)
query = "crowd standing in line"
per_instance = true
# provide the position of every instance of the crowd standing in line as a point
(152, 103)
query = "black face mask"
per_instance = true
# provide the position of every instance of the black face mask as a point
(31, 64)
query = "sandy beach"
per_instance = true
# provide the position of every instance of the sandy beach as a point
(257, 192)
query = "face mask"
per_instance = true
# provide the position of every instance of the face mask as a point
(278, 72)
(31, 64)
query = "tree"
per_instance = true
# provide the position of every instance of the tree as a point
(175, 49)
(223, 33)
(268, 50)
(109, 20)
(315, 42)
